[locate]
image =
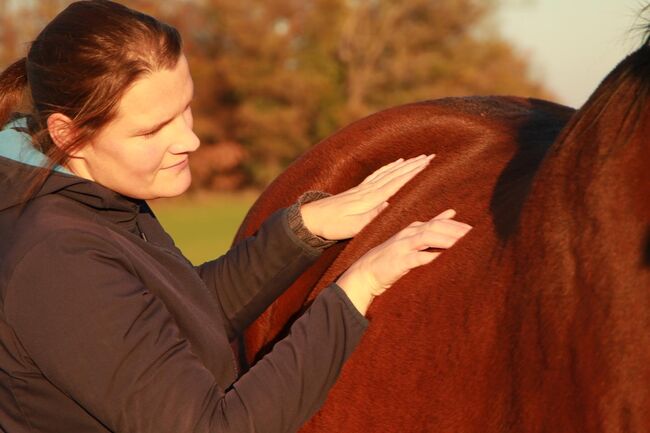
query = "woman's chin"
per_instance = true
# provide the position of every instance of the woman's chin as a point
(172, 186)
(179, 187)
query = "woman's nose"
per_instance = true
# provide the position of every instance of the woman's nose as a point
(185, 139)
(190, 141)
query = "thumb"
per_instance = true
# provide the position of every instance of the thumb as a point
(419, 258)
(449, 213)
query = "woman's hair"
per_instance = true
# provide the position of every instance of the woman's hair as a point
(80, 65)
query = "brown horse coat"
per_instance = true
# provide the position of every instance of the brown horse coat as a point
(506, 331)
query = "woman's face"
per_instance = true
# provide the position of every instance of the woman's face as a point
(143, 152)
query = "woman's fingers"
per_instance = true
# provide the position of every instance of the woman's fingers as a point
(418, 163)
(449, 213)
(397, 167)
(381, 170)
(436, 233)
(384, 264)
(385, 187)
(388, 186)
(379, 189)
(369, 184)
(448, 227)
(426, 239)
(457, 228)
(360, 204)
(442, 234)
(421, 258)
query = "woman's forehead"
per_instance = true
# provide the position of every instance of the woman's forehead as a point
(156, 97)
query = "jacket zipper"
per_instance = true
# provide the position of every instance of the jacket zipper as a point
(142, 235)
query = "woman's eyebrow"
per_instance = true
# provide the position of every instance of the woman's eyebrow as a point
(153, 128)
(159, 125)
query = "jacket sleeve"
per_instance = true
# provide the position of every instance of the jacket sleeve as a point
(258, 269)
(111, 345)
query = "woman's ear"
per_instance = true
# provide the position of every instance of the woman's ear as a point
(61, 129)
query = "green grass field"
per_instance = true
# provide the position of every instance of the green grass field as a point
(204, 226)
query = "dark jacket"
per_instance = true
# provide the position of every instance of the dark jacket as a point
(105, 326)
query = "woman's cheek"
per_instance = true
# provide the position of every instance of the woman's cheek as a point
(154, 156)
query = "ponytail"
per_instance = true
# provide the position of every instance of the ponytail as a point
(13, 82)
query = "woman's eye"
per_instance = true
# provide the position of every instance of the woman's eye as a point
(150, 134)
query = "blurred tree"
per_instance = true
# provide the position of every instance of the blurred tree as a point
(274, 77)
(294, 71)
(20, 22)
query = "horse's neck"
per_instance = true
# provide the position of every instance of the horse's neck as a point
(589, 207)
(582, 289)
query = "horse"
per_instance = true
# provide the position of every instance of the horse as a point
(537, 320)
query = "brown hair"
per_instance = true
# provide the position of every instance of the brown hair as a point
(80, 65)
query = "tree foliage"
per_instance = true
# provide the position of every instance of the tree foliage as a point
(274, 77)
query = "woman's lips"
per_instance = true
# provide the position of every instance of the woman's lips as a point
(179, 164)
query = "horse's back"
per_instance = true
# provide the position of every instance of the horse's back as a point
(436, 353)
(459, 129)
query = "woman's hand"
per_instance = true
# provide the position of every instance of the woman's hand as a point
(380, 267)
(343, 215)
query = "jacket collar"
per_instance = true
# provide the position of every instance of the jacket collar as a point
(20, 162)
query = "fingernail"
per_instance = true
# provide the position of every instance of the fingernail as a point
(451, 212)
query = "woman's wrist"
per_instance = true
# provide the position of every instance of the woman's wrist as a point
(309, 212)
(303, 229)
(356, 287)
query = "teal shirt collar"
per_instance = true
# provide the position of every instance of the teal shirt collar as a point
(17, 146)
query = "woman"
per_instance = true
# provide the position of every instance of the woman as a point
(104, 325)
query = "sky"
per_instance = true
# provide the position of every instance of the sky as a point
(571, 44)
